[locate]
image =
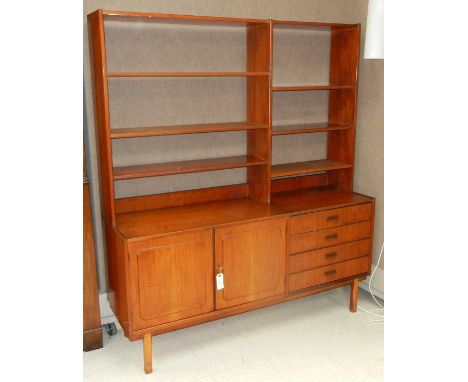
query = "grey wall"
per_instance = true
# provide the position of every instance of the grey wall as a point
(369, 144)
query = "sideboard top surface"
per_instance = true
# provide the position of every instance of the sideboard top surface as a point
(140, 225)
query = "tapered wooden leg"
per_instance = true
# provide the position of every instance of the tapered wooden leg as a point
(148, 353)
(354, 295)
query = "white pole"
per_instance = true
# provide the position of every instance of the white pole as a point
(374, 45)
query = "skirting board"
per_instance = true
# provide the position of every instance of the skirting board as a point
(107, 316)
(377, 283)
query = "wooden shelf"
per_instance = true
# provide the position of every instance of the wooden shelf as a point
(316, 199)
(184, 129)
(187, 74)
(170, 168)
(317, 127)
(299, 168)
(204, 20)
(280, 24)
(293, 88)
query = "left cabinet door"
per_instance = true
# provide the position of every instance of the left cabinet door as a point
(171, 278)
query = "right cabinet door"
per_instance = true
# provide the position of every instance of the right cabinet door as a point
(252, 260)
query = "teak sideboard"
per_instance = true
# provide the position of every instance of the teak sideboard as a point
(289, 230)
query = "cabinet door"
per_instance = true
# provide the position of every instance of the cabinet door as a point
(171, 278)
(252, 258)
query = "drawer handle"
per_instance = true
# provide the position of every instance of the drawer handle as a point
(334, 217)
(329, 273)
(332, 236)
(331, 254)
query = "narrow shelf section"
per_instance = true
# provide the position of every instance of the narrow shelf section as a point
(134, 132)
(299, 168)
(292, 88)
(316, 199)
(187, 74)
(318, 127)
(199, 165)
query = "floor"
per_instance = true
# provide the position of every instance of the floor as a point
(314, 338)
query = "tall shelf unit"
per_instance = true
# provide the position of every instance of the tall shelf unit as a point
(249, 231)
(256, 123)
(341, 86)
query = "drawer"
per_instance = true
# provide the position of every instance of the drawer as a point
(326, 256)
(328, 237)
(328, 273)
(330, 218)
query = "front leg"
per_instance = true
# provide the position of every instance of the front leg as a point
(148, 353)
(354, 295)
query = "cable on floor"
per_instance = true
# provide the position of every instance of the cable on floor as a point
(378, 313)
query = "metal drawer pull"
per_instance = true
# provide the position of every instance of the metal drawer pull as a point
(329, 273)
(331, 254)
(332, 236)
(334, 217)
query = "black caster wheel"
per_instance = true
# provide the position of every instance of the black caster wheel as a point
(110, 329)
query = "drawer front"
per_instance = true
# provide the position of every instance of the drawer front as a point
(326, 256)
(330, 218)
(328, 237)
(328, 273)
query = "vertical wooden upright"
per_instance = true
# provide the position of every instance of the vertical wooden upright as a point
(104, 149)
(102, 116)
(115, 247)
(258, 109)
(344, 63)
